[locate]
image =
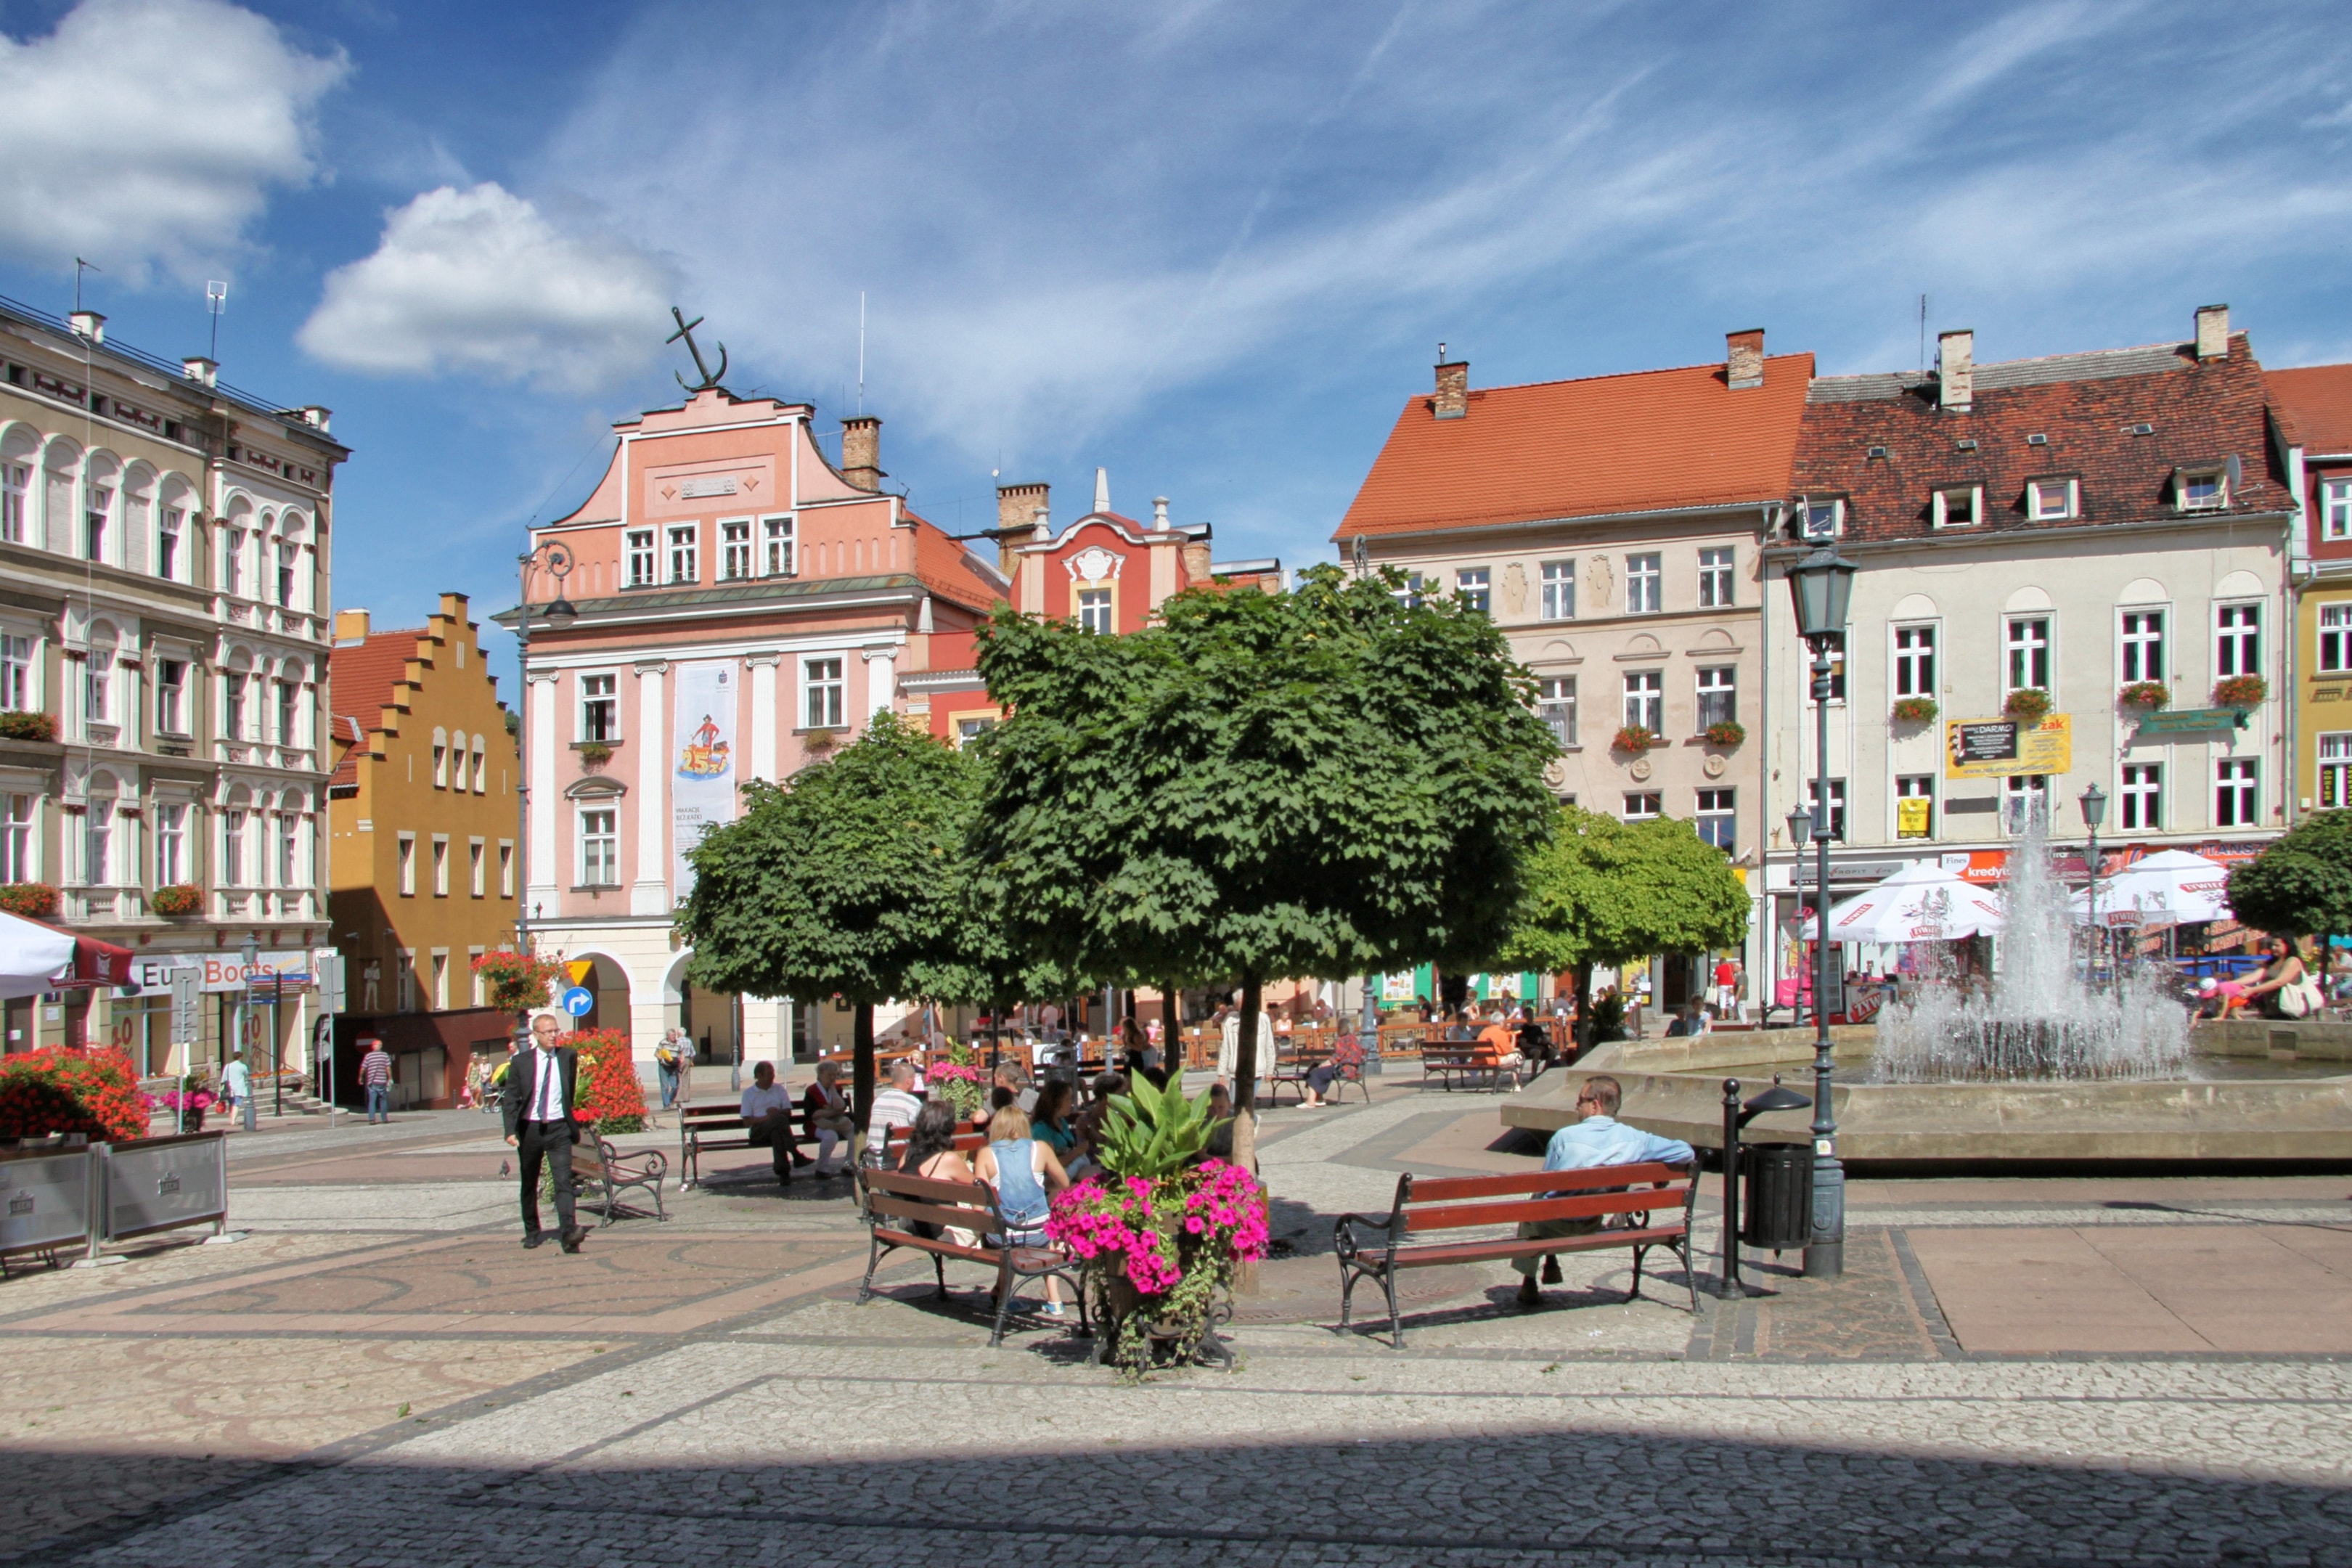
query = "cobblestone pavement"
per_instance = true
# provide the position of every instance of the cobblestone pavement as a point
(379, 1376)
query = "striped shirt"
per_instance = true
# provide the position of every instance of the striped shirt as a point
(894, 1107)
(375, 1069)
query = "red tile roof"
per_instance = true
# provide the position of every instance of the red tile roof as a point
(2317, 402)
(1655, 440)
(948, 567)
(363, 679)
(2088, 406)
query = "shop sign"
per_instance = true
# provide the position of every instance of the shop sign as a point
(221, 970)
(1998, 748)
(2185, 721)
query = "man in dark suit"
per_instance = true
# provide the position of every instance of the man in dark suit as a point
(537, 1110)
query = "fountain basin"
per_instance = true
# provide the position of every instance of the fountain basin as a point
(1674, 1087)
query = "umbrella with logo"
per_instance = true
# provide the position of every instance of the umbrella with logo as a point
(34, 958)
(1919, 903)
(2172, 887)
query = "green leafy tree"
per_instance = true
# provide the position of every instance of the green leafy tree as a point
(1604, 892)
(1318, 782)
(847, 880)
(2301, 885)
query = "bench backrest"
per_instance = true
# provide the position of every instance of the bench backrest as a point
(1449, 1050)
(895, 1141)
(1458, 1203)
(693, 1116)
(891, 1196)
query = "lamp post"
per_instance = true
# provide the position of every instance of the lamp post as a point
(557, 561)
(1822, 587)
(2094, 802)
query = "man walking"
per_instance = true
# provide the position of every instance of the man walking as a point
(237, 1082)
(537, 1108)
(375, 1076)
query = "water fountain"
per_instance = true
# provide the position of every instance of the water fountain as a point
(2041, 1018)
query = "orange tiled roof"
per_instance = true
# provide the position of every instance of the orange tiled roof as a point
(1648, 441)
(362, 681)
(944, 565)
(2317, 400)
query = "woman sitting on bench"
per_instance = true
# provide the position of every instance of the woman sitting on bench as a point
(1023, 1170)
(930, 1153)
(828, 1120)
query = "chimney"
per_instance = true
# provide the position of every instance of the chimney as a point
(1159, 514)
(861, 452)
(316, 416)
(1452, 399)
(202, 371)
(1041, 531)
(1956, 368)
(1743, 358)
(351, 626)
(88, 324)
(1017, 509)
(2212, 332)
(1102, 490)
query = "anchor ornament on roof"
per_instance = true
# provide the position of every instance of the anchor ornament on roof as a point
(710, 378)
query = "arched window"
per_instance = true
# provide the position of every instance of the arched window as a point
(98, 857)
(480, 787)
(20, 452)
(102, 484)
(292, 585)
(236, 869)
(235, 575)
(237, 697)
(60, 475)
(97, 674)
(175, 505)
(440, 758)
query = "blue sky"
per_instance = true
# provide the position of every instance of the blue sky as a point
(1209, 246)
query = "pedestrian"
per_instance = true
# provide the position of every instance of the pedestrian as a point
(1727, 987)
(683, 1043)
(375, 1077)
(237, 1082)
(665, 1067)
(541, 1084)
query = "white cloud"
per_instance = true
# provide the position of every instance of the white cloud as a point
(479, 280)
(150, 132)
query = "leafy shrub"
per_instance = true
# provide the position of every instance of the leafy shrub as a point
(593, 754)
(34, 900)
(1729, 733)
(16, 725)
(2145, 694)
(60, 1089)
(2241, 692)
(1914, 709)
(2029, 706)
(1150, 1131)
(179, 898)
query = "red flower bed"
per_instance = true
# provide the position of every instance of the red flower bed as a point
(609, 1096)
(59, 1090)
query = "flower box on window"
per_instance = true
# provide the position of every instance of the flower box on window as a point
(1914, 709)
(21, 726)
(1729, 733)
(593, 754)
(1634, 738)
(2145, 694)
(179, 898)
(34, 900)
(2028, 705)
(2241, 692)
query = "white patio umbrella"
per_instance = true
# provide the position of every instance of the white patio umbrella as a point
(1919, 903)
(32, 956)
(2172, 887)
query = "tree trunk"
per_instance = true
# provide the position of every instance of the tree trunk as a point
(1246, 1109)
(1583, 1032)
(861, 1064)
(1172, 1044)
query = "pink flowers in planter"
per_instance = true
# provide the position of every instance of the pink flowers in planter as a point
(1156, 1230)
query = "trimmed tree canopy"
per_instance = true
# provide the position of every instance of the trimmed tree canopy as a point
(2302, 885)
(1316, 783)
(1608, 892)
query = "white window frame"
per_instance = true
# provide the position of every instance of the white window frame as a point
(596, 688)
(1645, 568)
(172, 697)
(735, 549)
(20, 672)
(97, 523)
(440, 865)
(1717, 683)
(1914, 671)
(2237, 638)
(2140, 651)
(2042, 651)
(1556, 706)
(824, 691)
(289, 711)
(97, 686)
(1476, 586)
(2238, 791)
(1555, 599)
(1958, 506)
(2336, 638)
(232, 567)
(1718, 809)
(2215, 474)
(481, 767)
(2335, 783)
(506, 868)
(171, 843)
(97, 841)
(15, 485)
(405, 856)
(638, 557)
(476, 853)
(600, 845)
(2139, 798)
(2336, 508)
(2067, 493)
(289, 849)
(1645, 700)
(171, 534)
(1095, 610)
(1836, 813)
(20, 840)
(1819, 519)
(1718, 581)
(776, 546)
(1643, 805)
(682, 553)
(2024, 795)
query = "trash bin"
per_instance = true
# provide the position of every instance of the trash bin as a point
(1776, 1203)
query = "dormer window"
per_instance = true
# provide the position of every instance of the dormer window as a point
(2051, 501)
(2205, 489)
(1958, 506)
(1822, 517)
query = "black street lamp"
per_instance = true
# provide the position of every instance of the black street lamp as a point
(1822, 587)
(558, 614)
(2094, 802)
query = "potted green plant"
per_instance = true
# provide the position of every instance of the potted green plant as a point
(34, 900)
(959, 1082)
(2145, 694)
(1725, 732)
(1159, 1233)
(1634, 738)
(1915, 710)
(177, 899)
(2028, 705)
(2241, 692)
(517, 982)
(593, 754)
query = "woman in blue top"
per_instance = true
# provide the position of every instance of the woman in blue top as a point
(1049, 1123)
(1023, 1170)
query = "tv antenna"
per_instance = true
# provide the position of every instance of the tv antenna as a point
(81, 267)
(861, 351)
(216, 301)
(1923, 334)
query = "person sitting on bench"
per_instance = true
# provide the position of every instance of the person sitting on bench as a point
(1598, 1139)
(828, 1120)
(767, 1110)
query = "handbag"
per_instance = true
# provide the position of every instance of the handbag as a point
(2300, 1000)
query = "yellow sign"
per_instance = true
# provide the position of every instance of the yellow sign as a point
(578, 969)
(1911, 816)
(1998, 748)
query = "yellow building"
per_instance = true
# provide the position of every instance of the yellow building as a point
(2310, 418)
(421, 847)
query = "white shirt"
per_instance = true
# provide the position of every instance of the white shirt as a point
(894, 1107)
(758, 1102)
(239, 1078)
(546, 1088)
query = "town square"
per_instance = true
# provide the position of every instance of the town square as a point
(1085, 784)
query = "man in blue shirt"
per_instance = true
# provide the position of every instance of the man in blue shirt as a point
(1598, 1139)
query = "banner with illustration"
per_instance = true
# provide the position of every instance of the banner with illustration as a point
(702, 750)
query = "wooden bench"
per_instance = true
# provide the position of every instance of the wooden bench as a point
(895, 1205)
(600, 1173)
(1298, 1068)
(1467, 1060)
(702, 1127)
(1630, 1214)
